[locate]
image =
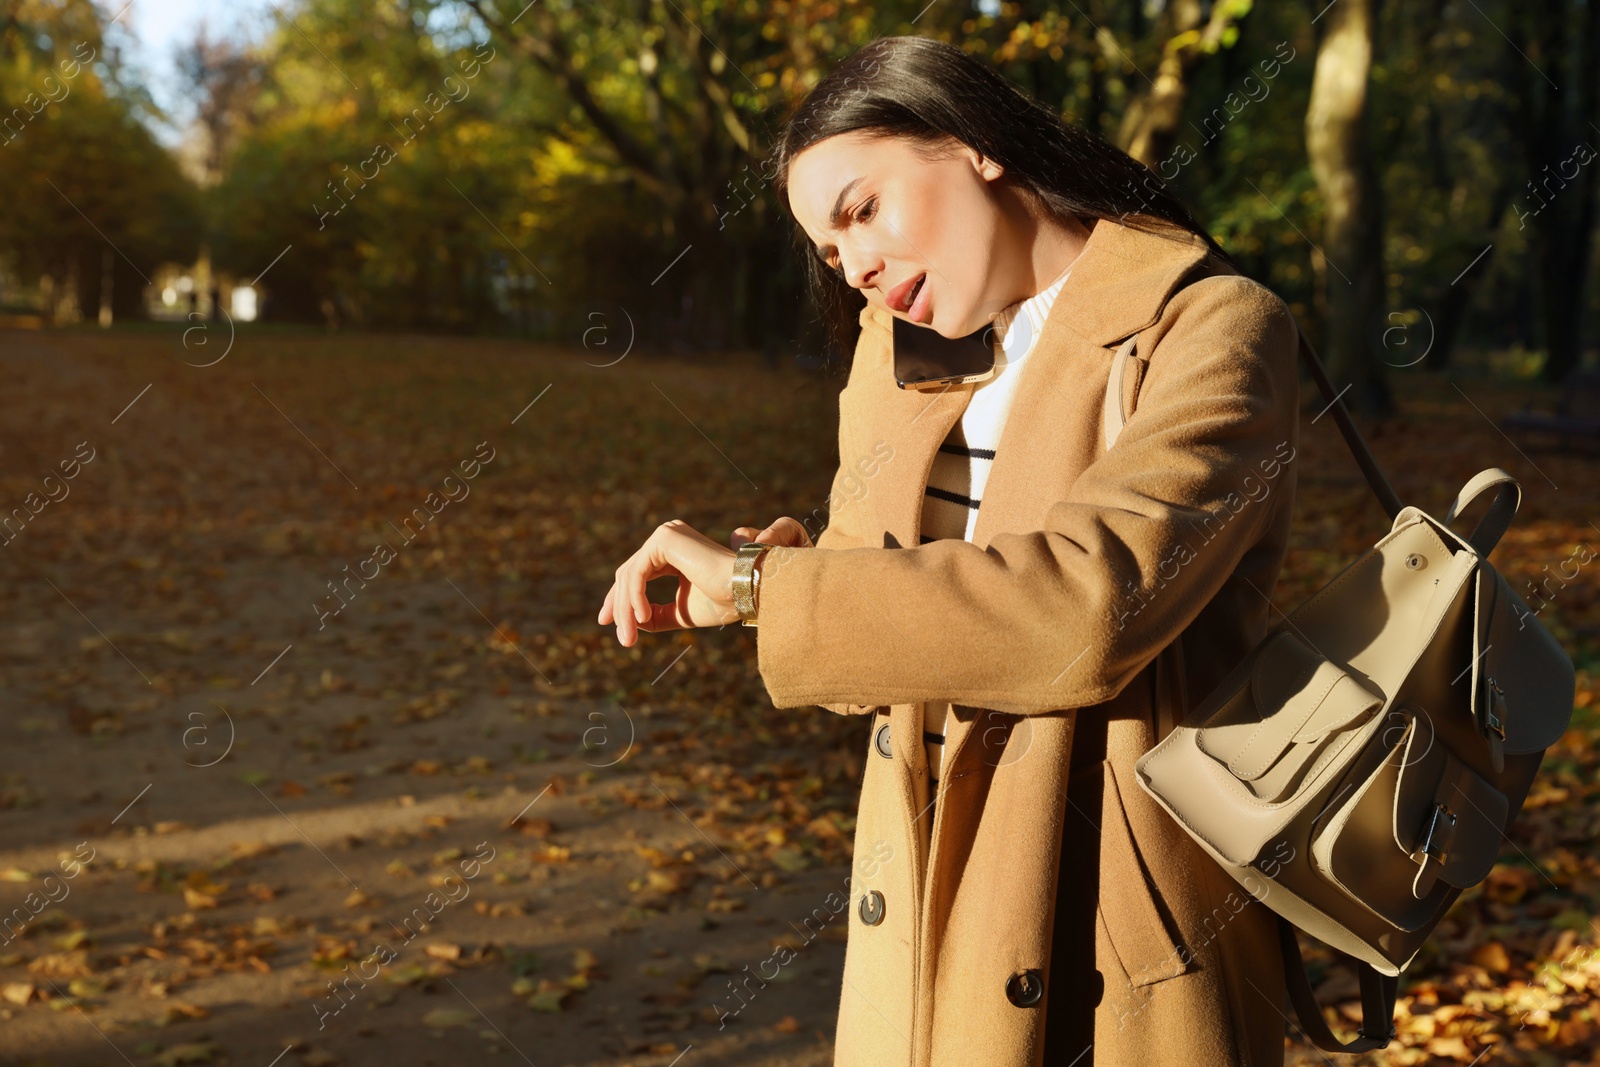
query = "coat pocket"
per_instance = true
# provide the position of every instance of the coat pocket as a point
(1134, 924)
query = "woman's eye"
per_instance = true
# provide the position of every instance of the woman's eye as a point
(867, 210)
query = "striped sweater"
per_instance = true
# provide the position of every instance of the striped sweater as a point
(961, 466)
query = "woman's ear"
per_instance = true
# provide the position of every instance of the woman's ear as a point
(988, 169)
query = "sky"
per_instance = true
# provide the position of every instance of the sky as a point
(154, 29)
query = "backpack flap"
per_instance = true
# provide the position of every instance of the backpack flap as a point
(1300, 704)
(1284, 714)
(1523, 682)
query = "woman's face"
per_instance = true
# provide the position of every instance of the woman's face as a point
(884, 216)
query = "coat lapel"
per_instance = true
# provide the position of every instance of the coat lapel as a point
(1119, 285)
(916, 424)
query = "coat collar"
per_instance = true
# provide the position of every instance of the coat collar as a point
(1122, 279)
(1118, 286)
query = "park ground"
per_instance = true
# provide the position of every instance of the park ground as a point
(253, 782)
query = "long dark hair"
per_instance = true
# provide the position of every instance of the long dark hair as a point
(926, 90)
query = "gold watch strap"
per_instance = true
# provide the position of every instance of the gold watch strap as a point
(744, 591)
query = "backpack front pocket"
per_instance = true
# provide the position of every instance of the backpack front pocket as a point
(1439, 823)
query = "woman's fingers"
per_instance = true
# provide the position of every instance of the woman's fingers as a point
(646, 565)
(641, 597)
(632, 606)
(787, 532)
(677, 614)
(627, 594)
(701, 566)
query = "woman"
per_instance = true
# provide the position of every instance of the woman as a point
(1015, 899)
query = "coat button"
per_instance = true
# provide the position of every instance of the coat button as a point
(1025, 988)
(880, 741)
(871, 909)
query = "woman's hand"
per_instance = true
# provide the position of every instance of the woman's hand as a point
(705, 578)
(704, 570)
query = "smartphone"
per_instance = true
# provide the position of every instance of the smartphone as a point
(926, 359)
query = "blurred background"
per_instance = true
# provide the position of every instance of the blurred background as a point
(498, 286)
(475, 168)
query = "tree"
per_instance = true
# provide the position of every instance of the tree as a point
(1557, 112)
(1341, 160)
(1150, 124)
(94, 202)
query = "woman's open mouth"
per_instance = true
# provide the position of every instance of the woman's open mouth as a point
(917, 300)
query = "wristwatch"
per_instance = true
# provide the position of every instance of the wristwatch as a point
(745, 581)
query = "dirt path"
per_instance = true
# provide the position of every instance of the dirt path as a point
(278, 801)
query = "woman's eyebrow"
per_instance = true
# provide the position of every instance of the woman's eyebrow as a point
(824, 251)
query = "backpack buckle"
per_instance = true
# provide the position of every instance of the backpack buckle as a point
(1435, 843)
(1433, 849)
(1491, 721)
(1385, 1038)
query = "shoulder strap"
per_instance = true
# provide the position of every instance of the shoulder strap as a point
(1385, 493)
(1352, 436)
(1112, 415)
(1378, 992)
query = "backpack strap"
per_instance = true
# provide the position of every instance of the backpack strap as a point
(1502, 509)
(1378, 992)
(1352, 436)
(1379, 483)
(1115, 387)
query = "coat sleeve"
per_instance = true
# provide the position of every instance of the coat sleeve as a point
(1067, 615)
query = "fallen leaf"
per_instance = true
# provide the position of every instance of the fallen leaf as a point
(549, 1000)
(1492, 957)
(190, 1052)
(196, 900)
(445, 1018)
(61, 964)
(790, 859)
(87, 987)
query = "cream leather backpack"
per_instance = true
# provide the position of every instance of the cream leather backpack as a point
(1361, 766)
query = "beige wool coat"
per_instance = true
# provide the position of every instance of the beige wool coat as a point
(1106, 590)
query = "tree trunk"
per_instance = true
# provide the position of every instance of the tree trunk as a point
(1558, 201)
(107, 276)
(1336, 143)
(1451, 308)
(1150, 124)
